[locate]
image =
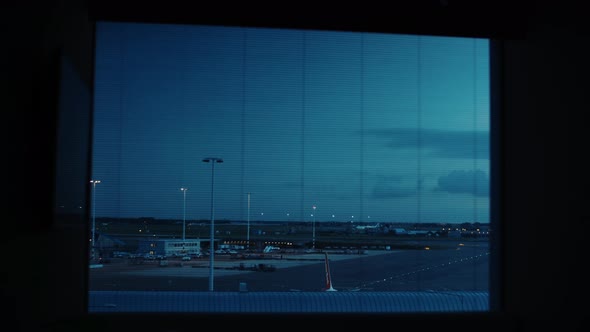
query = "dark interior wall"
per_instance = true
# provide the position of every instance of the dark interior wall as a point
(546, 179)
(544, 175)
(43, 274)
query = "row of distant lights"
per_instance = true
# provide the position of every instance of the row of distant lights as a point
(183, 189)
(465, 230)
(288, 214)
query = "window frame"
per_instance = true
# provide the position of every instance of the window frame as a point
(495, 280)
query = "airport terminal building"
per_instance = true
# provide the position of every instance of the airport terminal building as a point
(169, 247)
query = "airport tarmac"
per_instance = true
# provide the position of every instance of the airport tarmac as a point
(225, 265)
(460, 268)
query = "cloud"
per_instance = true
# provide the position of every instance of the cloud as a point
(474, 182)
(393, 187)
(438, 143)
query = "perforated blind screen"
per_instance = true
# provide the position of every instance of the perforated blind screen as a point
(370, 147)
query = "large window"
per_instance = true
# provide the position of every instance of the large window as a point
(243, 169)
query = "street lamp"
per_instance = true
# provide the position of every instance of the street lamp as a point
(213, 161)
(94, 183)
(313, 228)
(184, 213)
(248, 236)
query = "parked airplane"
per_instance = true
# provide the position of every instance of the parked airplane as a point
(361, 227)
(269, 249)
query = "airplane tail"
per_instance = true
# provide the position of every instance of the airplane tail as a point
(329, 287)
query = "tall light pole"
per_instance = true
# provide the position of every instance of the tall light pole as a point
(248, 234)
(213, 161)
(313, 228)
(94, 183)
(184, 213)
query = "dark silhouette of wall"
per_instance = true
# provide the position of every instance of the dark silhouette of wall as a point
(543, 165)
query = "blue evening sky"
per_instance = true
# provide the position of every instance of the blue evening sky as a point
(365, 126)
